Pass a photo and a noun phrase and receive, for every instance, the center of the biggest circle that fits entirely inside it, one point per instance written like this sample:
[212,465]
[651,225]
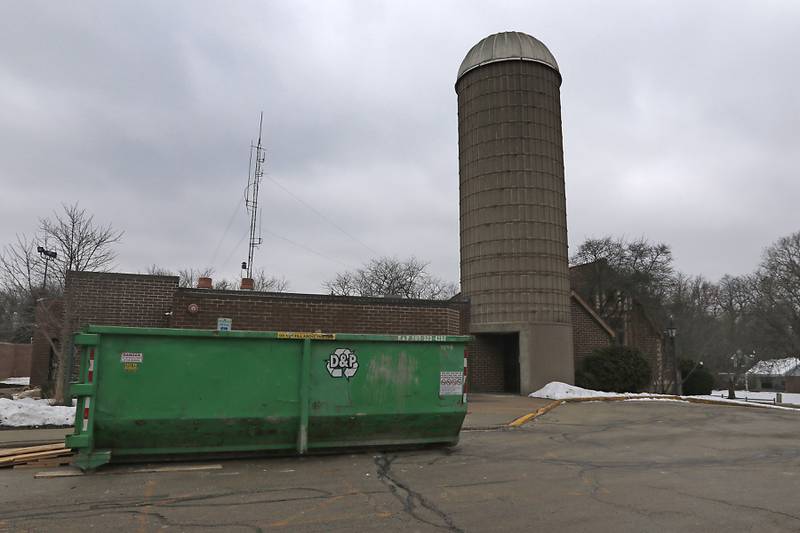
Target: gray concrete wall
[545,356]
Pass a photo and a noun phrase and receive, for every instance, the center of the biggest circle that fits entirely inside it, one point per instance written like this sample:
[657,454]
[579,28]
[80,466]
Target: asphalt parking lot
[622,466]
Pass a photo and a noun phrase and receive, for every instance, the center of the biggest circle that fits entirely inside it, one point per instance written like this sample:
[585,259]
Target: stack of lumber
[45,456]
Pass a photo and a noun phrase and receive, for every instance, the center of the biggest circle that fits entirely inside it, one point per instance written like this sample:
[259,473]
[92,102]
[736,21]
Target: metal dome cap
[507,46]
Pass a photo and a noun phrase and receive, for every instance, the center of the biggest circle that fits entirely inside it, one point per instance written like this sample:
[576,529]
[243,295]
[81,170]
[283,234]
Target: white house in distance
[775,375]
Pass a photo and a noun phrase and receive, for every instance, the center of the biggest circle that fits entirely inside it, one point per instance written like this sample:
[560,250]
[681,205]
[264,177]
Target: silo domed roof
[507,46]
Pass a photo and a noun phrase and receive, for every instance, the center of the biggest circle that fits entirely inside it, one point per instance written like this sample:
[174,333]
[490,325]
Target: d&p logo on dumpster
[342,363]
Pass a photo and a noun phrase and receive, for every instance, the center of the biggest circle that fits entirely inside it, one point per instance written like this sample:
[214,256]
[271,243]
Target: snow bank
[16,381]
[555,390]
[30,412]
[655,400]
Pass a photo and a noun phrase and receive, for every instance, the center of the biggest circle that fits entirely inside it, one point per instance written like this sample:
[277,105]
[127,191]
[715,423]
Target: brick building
[157,301]
[15,360]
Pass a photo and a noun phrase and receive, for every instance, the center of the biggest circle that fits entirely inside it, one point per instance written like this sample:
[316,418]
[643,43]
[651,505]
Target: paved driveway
[623,466]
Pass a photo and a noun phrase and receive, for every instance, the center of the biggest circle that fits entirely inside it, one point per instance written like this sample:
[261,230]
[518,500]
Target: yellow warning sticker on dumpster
[131,361]
[306,335]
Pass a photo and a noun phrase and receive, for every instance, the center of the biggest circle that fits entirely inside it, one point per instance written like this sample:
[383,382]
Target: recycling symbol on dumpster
[342,363]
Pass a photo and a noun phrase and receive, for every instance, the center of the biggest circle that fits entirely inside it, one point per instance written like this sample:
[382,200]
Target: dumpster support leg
[305,371]
[90,460]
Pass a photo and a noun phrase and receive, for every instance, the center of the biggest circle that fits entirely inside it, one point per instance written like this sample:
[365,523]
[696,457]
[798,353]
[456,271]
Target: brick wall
[99,298]
[587,334]
[15,360]
[156,301]
[486,364]
[641,333]
[119,299]
[312,312]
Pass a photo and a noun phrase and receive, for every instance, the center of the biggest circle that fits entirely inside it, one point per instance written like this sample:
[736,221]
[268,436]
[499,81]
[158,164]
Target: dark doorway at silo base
[494,363]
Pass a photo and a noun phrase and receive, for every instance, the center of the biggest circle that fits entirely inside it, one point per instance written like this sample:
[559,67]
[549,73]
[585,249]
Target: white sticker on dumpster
[451,383]
[131,357]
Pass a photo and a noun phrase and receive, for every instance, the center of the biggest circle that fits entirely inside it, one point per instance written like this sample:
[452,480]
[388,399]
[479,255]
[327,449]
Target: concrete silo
[514,262]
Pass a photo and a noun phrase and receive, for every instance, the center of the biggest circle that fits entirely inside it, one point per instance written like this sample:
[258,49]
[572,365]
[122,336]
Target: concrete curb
[517,422]
[678,398]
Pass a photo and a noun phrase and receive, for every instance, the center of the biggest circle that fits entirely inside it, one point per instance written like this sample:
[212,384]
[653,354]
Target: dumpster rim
[281,335]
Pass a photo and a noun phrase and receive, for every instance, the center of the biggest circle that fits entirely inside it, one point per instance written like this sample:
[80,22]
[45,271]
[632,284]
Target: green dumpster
[163,392]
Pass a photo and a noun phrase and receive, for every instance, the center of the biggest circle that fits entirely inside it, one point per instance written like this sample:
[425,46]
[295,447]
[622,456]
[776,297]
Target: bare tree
[612,268]
[155,270]
[187,278]
[21,284]
[388,276]
[777,288]
[263,282]
[80,244]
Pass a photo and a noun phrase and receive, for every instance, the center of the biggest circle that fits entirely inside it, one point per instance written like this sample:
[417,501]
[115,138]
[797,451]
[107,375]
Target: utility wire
[235,248]
[227,229]
[322,216]
[306,248]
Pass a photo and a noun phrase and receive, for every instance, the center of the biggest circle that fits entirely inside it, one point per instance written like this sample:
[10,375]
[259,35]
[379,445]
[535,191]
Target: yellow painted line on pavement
[555,403]
[539,412]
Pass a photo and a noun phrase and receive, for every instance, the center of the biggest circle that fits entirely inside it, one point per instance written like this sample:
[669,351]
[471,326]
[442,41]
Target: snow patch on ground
[30,412]
[742,402]
[555,390]
[788,397]
[16,381]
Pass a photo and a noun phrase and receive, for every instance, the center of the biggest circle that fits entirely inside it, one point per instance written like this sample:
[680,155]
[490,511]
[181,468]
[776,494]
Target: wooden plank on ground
[31,449]
[46,463]
[176,468]
[26,457]
[62,472]
[70,472]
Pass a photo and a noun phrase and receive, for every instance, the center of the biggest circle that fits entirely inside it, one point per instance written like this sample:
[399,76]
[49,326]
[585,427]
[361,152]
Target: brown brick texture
[156,301]
[119,299]
[309,312]
[587,334]
[485,367]
[15,360]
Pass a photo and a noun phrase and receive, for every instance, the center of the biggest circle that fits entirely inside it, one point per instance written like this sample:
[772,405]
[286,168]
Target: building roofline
[593,314]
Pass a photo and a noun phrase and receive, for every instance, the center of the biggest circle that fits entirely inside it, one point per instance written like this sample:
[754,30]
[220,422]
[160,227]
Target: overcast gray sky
[681,124]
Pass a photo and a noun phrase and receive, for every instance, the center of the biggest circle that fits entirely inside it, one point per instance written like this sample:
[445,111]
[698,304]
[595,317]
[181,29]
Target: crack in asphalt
[737,505]
[129,505]
[411,499]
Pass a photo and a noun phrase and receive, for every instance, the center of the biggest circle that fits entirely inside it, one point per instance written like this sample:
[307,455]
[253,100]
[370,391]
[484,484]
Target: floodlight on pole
[47,255]
[671,332]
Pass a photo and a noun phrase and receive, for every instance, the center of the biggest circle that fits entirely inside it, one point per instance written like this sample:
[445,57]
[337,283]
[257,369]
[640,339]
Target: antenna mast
[254,176]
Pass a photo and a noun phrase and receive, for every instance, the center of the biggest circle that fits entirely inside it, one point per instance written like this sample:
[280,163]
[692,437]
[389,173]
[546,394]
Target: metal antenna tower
[254,175]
